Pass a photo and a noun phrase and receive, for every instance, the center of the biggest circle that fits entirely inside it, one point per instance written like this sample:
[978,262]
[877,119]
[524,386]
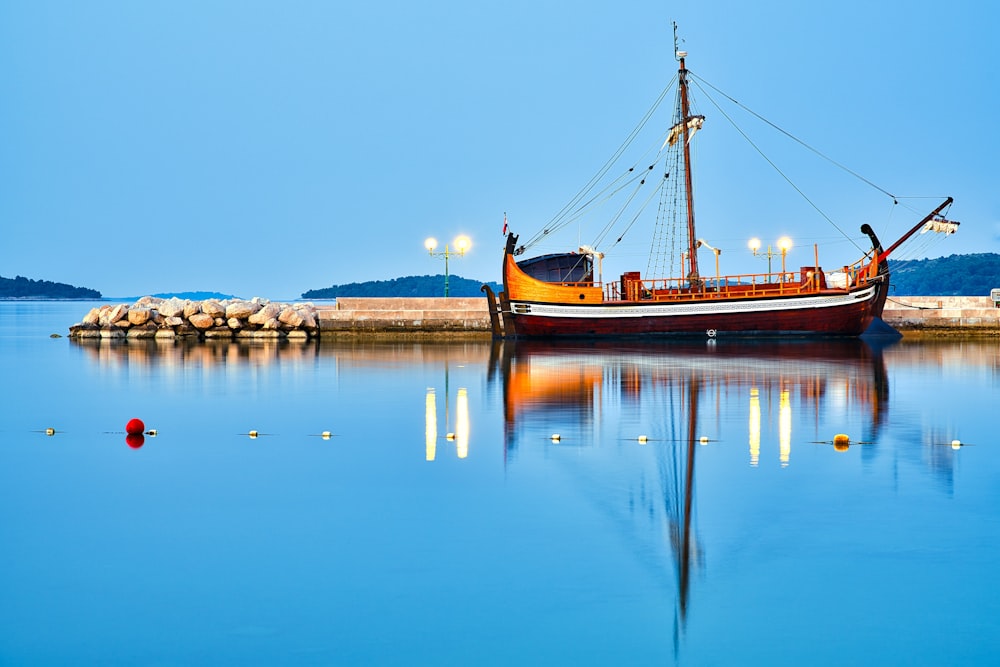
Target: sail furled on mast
[940,226]
[693,124]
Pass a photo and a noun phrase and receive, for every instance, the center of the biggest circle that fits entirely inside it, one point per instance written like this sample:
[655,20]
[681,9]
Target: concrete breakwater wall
[391,316]
[943,315]
[151,317]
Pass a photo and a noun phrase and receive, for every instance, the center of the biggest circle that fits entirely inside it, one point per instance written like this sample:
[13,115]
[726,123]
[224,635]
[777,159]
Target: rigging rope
[788,134]
[558,221]
[773,165]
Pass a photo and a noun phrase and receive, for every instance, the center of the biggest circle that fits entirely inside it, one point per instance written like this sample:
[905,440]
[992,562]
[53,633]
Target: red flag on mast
[504,224]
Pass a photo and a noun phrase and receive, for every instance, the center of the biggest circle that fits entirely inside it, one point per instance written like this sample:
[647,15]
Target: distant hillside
[955,275]
[25,288]
[408,286]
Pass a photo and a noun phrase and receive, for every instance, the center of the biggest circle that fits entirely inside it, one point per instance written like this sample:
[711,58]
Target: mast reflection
[593,392]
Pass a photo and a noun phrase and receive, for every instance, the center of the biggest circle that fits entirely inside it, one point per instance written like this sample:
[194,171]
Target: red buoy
[134,426]
[135,440]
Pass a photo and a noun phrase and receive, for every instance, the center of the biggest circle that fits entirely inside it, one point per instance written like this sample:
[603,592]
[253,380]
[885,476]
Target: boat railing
[806,280]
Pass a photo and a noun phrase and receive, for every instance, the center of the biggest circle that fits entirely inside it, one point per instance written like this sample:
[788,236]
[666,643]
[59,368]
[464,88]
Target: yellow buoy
[643,439]
[151,432]
[325,435]
[956,444]
[50,431]
[556,437]
[449,436]
[253,434]
[703,440]
[841,439]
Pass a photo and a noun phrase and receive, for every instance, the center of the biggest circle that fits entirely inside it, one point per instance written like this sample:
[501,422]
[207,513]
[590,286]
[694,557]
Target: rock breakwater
[151,317]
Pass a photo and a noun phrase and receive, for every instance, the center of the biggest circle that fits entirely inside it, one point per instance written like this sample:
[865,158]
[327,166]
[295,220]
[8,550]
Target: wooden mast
[693,275]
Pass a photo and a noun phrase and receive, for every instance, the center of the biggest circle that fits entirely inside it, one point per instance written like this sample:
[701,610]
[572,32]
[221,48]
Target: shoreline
[431,318]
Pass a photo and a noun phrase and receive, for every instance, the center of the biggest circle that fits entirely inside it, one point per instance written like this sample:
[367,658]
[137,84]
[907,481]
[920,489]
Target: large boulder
[173,321]
[147,330]
[85,331]
[218,332]
[308,319]
[241,309]
[202,321]
[290,317]
[172,307]
[93,316]
[138,315]
[116,313]
[213,307]
[191,308]
[149,301]
[267,312]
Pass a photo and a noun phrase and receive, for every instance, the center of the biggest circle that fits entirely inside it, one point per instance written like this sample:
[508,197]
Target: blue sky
[267,148]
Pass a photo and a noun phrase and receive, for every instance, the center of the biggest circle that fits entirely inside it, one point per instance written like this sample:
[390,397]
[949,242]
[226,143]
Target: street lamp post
[784,245]
[461,244]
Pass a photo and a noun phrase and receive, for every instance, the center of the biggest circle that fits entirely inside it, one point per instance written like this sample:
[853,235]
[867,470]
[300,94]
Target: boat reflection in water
[616,399]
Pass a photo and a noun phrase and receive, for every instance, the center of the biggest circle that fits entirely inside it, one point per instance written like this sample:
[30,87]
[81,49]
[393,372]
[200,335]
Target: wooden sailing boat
[557,294]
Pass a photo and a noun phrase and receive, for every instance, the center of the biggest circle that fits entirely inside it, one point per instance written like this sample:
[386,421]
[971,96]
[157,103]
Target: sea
[363,502]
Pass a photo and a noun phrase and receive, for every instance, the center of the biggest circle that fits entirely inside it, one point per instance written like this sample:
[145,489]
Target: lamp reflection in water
[754,426]
[460,436]
[784,428]
[462,423]
[430,424]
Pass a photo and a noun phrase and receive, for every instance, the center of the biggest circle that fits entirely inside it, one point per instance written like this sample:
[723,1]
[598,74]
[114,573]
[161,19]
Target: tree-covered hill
[409,286]
[25,288]
[955,275]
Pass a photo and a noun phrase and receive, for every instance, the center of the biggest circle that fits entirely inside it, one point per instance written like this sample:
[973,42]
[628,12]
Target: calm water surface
[693,508]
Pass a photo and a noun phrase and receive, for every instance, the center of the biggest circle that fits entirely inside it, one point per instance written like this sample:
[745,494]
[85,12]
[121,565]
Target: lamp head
[754,245]
[785,244]
[462,243]
[430,244]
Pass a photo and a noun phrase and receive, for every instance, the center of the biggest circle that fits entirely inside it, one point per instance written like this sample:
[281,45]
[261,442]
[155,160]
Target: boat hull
[846,313]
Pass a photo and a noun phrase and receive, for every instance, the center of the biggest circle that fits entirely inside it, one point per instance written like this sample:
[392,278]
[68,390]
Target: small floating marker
[450,436]
[956,444]
[135,440]
[556,437]
[643,440]
[841,442]
[151,432]
[325,435]
[50,431]
[253,434]
[703,440]
[135,427]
